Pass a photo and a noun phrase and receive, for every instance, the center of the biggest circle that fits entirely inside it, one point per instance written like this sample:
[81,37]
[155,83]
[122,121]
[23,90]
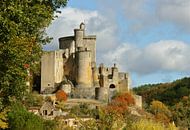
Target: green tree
[20,119]
[22,32]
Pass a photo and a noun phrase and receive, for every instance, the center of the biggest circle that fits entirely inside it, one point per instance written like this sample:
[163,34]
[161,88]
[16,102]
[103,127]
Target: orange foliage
[120,103]
[26,66]
[61,95]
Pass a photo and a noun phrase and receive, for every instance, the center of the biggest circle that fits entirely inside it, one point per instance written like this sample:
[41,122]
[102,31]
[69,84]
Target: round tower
[84,68]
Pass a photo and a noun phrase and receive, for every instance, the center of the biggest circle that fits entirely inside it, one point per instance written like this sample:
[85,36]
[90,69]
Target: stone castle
[73,69]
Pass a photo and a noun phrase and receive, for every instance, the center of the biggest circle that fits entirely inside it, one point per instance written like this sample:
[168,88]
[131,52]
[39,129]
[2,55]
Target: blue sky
[149,39]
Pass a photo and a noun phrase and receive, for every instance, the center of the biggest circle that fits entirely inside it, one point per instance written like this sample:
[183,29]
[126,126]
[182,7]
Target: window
[44,112]
[65,122]
[75,122]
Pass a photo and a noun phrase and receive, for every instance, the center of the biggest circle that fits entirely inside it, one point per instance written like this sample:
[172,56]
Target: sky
[149,39]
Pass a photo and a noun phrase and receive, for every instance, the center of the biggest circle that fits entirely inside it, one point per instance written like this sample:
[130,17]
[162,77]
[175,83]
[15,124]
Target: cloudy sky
[150,39]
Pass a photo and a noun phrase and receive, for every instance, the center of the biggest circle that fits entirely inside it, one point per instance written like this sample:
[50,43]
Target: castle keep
[73,69]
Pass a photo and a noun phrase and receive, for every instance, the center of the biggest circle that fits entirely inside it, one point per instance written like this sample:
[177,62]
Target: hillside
[168,93]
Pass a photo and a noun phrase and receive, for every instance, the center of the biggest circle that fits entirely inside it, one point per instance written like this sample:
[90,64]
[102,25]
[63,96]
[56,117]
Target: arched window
[112,86]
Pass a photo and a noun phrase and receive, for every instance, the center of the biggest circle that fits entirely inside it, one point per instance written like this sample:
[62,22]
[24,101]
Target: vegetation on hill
[175,96]
[168,93]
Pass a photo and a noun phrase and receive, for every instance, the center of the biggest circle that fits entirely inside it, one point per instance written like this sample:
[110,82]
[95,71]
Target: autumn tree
[22,32]
[121,103]
[61,95]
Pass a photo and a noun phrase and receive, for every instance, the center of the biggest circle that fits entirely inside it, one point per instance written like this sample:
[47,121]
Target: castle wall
[67,43]
[124,82]
[69,68]
[95,77]
[101,94]
[59,71]
[89,42]
[123,85]
[51,69]
[47,70]
[84,70]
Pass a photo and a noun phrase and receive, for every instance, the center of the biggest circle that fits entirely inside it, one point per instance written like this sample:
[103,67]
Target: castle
[73,69]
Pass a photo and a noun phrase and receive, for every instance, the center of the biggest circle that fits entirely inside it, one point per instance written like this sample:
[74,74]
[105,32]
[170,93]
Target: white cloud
[176,11]
[170,55]
[96,24]
[149,13]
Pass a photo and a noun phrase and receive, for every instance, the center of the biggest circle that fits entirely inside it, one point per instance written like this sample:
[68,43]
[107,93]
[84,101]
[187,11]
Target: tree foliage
[33,100]
[161,111]
[22,32]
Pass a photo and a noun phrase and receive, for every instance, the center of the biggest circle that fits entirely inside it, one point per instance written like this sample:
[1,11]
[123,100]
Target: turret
[79,35]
